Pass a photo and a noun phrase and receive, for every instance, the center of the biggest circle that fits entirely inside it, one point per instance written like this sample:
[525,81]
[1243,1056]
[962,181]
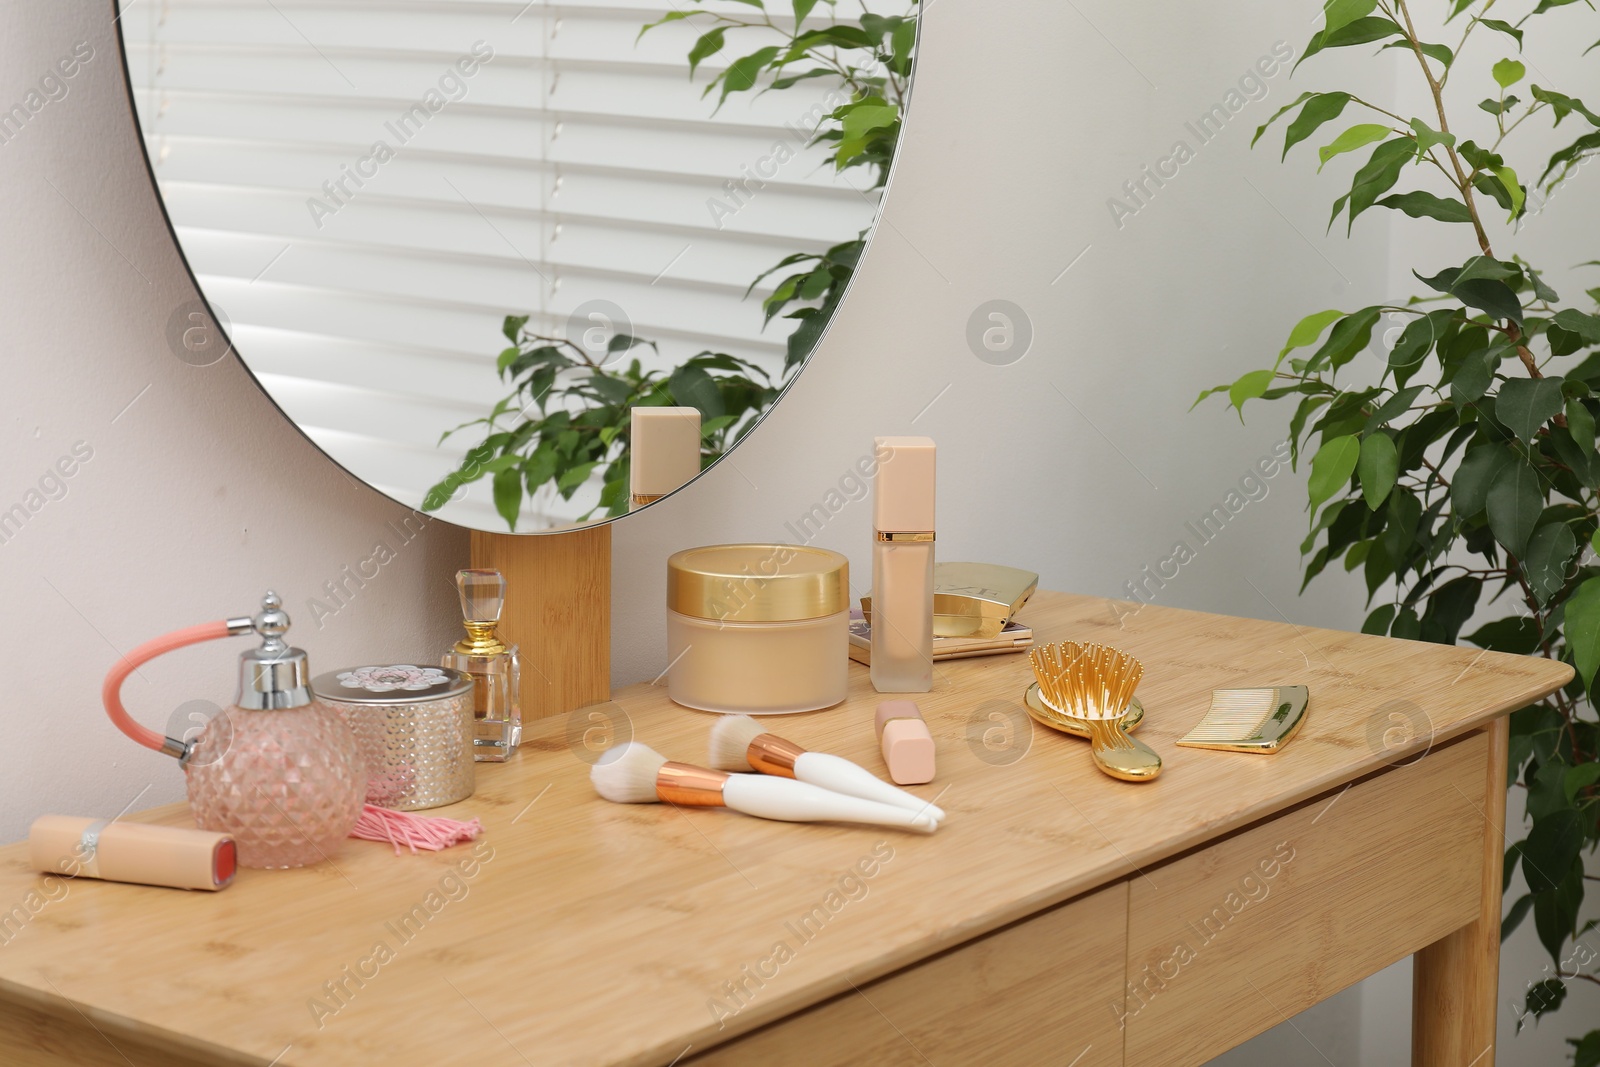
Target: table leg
[1456,979]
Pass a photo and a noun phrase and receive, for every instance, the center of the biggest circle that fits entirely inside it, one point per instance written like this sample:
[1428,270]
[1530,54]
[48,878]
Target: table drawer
[1043,990]
[1237,937]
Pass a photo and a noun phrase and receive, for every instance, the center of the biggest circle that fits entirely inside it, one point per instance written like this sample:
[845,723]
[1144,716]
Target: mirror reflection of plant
[584,417]
[871,59]
[1475,472]
[588,424]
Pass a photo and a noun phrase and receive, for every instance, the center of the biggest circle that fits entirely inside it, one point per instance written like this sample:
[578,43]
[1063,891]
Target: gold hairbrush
[1091,687]
[1250,720]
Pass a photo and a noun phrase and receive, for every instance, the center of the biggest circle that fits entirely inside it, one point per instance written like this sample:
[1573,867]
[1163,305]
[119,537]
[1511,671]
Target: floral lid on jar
[399,683]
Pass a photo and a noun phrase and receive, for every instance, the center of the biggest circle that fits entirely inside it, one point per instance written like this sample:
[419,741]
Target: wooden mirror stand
[558,612]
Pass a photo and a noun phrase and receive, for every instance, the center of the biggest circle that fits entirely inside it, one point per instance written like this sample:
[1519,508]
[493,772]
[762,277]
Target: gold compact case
[974,599]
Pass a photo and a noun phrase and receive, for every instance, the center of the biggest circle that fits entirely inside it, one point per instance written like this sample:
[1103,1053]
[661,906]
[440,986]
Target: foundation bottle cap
[758,583]
[902,495]
[663,450]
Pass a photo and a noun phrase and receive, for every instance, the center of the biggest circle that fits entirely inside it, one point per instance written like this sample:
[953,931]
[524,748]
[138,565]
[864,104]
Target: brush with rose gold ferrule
[634,773]
[741,743]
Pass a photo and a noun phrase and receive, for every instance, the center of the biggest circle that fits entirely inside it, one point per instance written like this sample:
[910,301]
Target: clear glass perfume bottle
[494,665]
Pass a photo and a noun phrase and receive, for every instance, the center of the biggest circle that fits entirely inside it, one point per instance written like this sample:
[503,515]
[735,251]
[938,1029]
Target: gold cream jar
[758,629]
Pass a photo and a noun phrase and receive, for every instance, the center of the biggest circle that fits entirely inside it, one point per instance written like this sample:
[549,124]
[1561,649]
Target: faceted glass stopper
[483,594]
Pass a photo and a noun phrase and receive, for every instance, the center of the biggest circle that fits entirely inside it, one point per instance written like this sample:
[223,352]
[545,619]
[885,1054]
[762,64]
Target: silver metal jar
[414,729]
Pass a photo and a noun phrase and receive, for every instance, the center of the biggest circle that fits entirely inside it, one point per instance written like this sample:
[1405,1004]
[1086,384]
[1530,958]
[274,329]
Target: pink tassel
[414,831]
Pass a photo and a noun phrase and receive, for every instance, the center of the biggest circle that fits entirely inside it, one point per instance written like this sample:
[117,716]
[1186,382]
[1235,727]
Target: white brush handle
[852,779]
[789,800]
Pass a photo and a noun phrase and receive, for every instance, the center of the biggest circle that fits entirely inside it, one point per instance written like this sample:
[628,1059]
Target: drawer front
[1044,990]
[1237,937]
[31,1038]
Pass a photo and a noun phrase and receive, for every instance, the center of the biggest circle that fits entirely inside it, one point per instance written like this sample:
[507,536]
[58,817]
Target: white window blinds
[365,188]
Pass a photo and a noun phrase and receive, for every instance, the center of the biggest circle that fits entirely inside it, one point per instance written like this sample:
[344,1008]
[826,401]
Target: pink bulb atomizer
[278,770]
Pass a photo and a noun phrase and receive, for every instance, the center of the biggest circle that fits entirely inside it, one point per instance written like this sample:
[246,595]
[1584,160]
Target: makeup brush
[634,773]
[741,743]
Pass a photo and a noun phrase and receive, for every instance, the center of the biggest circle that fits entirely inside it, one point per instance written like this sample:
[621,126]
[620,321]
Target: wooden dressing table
[1058,916]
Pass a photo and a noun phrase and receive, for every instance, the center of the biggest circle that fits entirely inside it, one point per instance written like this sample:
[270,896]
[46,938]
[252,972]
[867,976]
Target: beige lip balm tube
[906,742]
[663,452]
[118,851]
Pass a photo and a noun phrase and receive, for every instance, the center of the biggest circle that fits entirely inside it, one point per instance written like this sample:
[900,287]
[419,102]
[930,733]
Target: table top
[582,932]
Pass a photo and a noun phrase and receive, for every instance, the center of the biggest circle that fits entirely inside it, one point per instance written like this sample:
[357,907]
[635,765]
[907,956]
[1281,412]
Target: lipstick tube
[117,851]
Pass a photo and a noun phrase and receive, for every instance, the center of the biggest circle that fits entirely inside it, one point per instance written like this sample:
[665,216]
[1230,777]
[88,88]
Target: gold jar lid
[758,583]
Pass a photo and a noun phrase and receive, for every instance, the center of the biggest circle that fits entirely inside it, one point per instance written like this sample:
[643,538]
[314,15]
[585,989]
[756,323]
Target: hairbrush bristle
[730,742]
[1085,681]
[627,773]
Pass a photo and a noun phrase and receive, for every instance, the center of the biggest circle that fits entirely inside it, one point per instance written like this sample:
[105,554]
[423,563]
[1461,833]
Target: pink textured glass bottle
[278,770]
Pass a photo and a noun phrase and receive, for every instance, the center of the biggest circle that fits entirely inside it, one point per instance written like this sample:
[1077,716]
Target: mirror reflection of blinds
[571,166]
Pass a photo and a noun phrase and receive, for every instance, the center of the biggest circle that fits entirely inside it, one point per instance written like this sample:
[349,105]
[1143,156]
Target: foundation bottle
[902,566]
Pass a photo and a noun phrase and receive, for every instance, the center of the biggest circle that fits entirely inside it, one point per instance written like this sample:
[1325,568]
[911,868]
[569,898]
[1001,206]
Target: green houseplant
[1467,478]
[567,414]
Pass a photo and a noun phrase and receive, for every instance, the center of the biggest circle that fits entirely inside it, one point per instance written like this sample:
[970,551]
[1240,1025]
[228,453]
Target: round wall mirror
[521,265]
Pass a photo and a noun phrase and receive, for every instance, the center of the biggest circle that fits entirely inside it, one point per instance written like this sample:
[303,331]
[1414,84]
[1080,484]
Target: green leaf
[1505,28]
[1348,336]
[1514,917]
[1469,491]
[743,73]
[1518,635]
[1551,546]
[1473,377]
[1514,505]
[1580,425]
[1331,468]
[1585,326]
[1427,137]
[1307,330]
[1359,31]
[802,8]
[1249,387]
[1563,105]
[1393,408]
[1550,849]
[1525,404]
[508,496]
[1340,13]
[1420,205]
[1320,108]
[1556,914]
[1508,179]
[1582,629]
[1488,295]
[1378,175]
[1508,72]
[1355,137]
[1378,622]
[512,326]
[1419,335]
[709,44]
[1586,1053]
[673,16]
[1378,466]
[1580,778]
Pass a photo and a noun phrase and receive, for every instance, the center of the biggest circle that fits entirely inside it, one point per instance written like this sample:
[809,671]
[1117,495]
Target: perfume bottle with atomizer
[278,770]
[495,667]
